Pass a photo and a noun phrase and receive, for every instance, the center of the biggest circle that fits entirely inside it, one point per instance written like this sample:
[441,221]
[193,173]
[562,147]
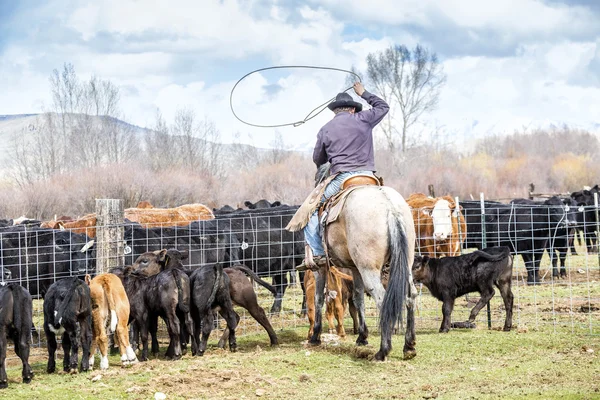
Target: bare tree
[161,150]
[277,153]
[409,79]
[186,130]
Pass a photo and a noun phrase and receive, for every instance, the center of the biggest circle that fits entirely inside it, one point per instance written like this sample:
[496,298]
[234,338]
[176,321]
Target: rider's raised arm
[319,154]
[375,114]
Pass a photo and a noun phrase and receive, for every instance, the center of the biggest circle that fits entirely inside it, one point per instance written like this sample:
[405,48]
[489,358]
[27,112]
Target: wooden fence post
[109,234]
[431,190]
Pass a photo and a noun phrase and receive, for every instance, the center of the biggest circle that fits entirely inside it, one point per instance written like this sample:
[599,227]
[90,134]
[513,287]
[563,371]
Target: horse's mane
[322,173]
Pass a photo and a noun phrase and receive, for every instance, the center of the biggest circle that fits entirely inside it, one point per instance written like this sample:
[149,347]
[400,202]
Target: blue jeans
[312,231]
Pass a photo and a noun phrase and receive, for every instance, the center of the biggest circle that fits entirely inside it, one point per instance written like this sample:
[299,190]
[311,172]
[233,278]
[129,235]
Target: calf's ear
[425,260]
[162,256]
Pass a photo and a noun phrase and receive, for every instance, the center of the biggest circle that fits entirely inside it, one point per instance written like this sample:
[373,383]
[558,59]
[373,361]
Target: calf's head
[420,269]
[149,263]
[70,300]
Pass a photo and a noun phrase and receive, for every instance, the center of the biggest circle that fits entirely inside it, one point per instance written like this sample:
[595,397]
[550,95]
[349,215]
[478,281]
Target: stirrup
[320,261]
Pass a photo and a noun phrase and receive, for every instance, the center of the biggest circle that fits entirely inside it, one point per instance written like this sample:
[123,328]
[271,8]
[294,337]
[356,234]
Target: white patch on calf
[442,220]
[113,320]
[130,354]
[104,362]
[91,361]
[58,331]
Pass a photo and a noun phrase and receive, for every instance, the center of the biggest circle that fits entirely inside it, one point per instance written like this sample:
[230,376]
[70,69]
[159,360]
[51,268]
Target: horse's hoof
[3,385]
[379,356]
[27,379]
[362,342]
[410,354]
[73,371]
[314,342]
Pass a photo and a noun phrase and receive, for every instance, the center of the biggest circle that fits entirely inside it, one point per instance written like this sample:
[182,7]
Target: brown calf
[336,304]
[109,299]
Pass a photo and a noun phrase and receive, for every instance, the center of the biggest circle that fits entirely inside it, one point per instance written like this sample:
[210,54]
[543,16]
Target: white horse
[375,229]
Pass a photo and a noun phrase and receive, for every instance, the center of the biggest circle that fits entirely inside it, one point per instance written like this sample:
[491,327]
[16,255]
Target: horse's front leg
[319,300]
[358,297]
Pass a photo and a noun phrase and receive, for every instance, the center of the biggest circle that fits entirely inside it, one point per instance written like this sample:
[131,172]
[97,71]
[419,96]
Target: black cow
[15,322]
[161,295]
[203,244]
[39,257]
[451,277]
[472,212]
[68,312]
[265,246]
[525,229]
[561,238]
[226,209]
[587,217]
[210,292]
[261,204]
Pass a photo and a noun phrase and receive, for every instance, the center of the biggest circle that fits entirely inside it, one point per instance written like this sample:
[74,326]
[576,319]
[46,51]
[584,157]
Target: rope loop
[314,112]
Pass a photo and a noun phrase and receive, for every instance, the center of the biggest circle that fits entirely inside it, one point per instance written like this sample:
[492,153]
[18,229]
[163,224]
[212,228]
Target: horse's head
[322,173]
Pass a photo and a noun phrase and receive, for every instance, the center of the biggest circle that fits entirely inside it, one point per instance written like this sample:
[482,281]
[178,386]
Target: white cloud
[144,47]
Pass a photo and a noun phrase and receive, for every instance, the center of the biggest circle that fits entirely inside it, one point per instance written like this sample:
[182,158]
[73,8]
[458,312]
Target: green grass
[545,356]
[462,364]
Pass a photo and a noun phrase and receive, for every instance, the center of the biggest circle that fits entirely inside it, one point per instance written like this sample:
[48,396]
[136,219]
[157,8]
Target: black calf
[15,323]
[67,312]
[210,292]
[451,277]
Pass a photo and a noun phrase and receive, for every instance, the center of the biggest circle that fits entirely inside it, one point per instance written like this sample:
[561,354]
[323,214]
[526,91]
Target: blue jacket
[347,140]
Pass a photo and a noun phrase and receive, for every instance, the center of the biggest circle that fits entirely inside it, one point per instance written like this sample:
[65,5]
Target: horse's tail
[393,301]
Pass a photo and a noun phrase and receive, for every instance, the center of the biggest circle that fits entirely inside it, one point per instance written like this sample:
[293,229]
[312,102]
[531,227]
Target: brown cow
[147,217]
[109,298]
[437,225]
[336,303]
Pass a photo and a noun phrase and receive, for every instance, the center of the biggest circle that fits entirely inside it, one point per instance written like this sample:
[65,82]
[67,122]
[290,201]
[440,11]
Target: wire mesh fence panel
[561,298]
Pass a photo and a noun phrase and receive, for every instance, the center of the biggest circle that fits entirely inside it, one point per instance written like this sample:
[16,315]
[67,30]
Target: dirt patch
[202,382]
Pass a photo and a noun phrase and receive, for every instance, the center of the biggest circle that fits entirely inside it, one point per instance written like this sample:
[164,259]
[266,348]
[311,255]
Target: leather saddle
[332,207]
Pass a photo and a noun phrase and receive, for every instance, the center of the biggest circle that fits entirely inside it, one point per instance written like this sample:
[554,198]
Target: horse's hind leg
[371,279]
[319,300]
[358,297]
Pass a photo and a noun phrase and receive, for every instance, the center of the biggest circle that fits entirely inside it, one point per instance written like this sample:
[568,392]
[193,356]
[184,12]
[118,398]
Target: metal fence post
[597,227]
[109,234]
[483,246]
[457,212]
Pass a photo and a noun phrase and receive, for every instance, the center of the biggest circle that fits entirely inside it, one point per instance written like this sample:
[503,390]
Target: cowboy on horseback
[346,142]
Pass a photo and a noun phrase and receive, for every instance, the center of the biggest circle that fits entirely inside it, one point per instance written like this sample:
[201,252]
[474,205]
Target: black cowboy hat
[344,100]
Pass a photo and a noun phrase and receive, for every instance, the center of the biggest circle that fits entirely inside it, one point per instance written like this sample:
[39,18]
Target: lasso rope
[314,112]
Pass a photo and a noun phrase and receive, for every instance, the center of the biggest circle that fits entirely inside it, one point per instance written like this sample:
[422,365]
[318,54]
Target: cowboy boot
[311,262]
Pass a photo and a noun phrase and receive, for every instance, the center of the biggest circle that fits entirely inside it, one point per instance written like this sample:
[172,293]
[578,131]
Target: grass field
[463,364]
[552,352]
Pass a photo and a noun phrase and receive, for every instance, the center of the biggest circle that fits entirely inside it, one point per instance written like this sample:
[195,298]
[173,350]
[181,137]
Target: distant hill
[12,126]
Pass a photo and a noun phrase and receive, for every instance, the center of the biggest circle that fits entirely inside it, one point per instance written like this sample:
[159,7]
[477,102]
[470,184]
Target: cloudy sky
[509,63]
